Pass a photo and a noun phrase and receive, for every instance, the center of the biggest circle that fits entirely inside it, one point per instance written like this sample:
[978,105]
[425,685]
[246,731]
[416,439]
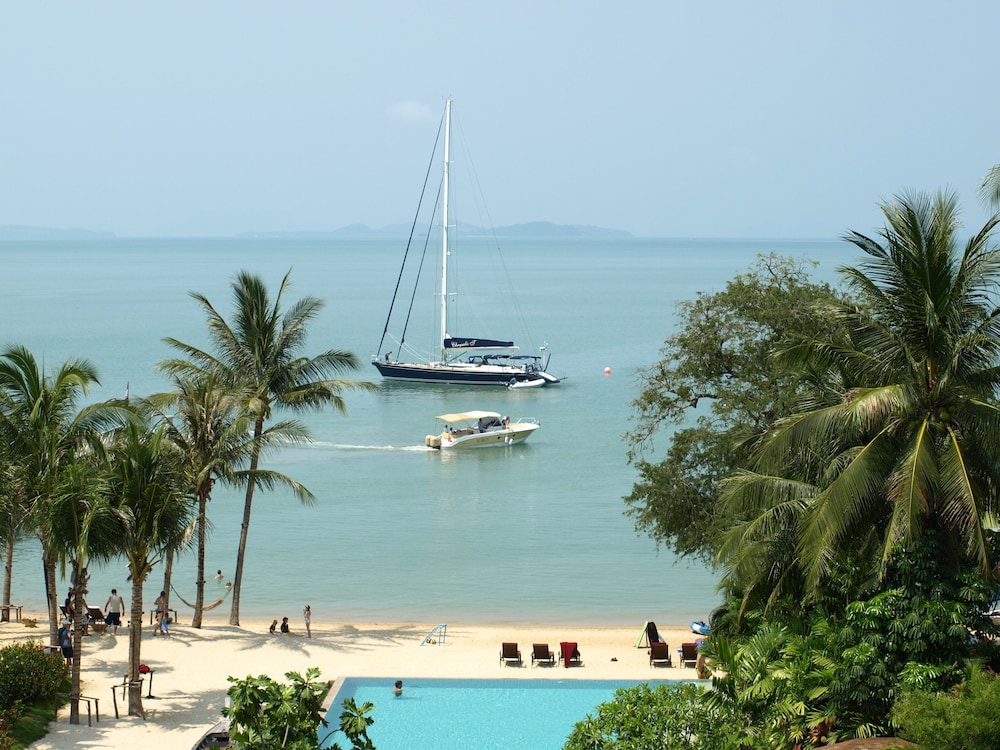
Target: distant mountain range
[536,230]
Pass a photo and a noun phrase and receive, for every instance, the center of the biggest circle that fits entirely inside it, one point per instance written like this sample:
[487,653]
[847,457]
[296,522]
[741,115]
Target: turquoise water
[479,714]
[531,534]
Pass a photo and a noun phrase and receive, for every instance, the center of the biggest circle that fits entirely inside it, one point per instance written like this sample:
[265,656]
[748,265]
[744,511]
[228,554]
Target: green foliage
[715,385]
[354,723]
[964,718]
[28,674]
[266,714]
[665,717]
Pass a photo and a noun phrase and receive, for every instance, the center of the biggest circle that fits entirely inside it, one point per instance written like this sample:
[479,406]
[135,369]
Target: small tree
[266,714]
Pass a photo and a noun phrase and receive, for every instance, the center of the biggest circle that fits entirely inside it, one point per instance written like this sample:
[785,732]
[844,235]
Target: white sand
[191,667]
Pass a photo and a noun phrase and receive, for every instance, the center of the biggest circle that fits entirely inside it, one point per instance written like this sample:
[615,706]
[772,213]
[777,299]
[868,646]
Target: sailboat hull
[459,373]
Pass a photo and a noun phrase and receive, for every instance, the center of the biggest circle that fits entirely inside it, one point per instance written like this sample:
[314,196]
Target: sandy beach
[191,666]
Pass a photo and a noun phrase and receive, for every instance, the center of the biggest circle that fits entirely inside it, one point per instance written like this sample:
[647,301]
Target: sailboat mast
[444,228]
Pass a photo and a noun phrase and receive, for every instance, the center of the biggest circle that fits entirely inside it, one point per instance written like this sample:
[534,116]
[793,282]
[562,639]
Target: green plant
[964,718]
[665,717]
[28,674]
[265,714]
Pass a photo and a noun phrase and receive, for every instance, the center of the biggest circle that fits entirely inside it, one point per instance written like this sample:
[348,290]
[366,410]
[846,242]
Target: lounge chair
[659,653]
[689,654]
[570,653]
[96,617]
[509,654]
[540,653]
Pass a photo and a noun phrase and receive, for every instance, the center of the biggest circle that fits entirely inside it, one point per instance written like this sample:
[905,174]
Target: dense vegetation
[30,677]
[837,457]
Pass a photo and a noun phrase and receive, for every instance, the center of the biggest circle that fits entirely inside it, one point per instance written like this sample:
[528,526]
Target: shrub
[29,674]
[964,718]
[667,717]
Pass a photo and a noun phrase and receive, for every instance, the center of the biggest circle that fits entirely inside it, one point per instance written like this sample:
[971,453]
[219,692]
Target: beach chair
[689,654]
[96,619]
[540,653]
[659,653]
[509,654]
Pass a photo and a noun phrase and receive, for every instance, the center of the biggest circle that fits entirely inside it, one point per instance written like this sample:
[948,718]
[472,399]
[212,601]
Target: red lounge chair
[509,654]
[570,653]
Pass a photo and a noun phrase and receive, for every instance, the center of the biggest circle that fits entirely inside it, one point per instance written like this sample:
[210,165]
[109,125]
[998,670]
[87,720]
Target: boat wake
[344,447]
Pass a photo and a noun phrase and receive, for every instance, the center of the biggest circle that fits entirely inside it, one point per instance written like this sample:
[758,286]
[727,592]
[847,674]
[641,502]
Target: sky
[664,119]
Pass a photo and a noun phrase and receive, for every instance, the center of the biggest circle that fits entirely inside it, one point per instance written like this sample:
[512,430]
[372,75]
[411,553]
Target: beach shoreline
[191,666]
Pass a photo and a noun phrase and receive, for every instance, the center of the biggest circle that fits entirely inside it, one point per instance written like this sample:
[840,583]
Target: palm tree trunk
[234,615]
[199,601]
[168,572]
[79,586]
[134,650]
[8,573]
[52,598]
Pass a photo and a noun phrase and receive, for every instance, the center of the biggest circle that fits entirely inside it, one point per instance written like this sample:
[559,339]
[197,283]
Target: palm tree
[213,434]
[989,191]
[259,353]
[81,529]
[45,431]
[912,442]
[154,513]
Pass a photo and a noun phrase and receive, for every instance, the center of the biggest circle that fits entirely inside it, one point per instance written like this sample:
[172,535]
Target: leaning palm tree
[259,352]
[912,443]
[45,430]
[214,437]
[153,515]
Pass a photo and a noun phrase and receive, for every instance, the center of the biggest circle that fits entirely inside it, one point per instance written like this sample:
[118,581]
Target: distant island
[536,230]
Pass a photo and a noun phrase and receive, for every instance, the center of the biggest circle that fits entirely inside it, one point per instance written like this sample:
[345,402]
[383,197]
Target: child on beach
[274,627]
[284,626]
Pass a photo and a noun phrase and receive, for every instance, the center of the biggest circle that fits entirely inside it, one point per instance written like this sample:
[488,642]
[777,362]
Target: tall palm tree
[153,515]
[912,442]
[213,434]
[259,352]
[82,529]
[45,430]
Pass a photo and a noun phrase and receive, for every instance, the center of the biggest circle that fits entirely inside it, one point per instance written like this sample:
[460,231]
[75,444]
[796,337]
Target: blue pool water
[439,714]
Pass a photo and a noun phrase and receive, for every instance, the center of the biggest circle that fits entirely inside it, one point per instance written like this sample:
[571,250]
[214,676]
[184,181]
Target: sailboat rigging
[470,360]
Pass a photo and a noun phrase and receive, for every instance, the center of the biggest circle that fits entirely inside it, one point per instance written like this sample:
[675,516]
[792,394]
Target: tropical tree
[153,516]
[910,440]
[716,385]
[81,529]
[214,437]
[989,191]
[46,430]
[12,514]
[259,353]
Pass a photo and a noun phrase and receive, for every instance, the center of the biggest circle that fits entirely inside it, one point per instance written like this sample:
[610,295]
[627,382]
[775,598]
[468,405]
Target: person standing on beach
[113,609]
[66,642]
[307,616]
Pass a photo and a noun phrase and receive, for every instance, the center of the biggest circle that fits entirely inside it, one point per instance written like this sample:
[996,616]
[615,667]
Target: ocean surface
[529,534]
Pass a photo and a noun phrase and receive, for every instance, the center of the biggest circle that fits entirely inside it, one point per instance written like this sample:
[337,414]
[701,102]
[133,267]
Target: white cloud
[411,111]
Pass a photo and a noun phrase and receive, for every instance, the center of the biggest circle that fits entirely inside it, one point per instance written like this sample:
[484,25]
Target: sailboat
[466,360]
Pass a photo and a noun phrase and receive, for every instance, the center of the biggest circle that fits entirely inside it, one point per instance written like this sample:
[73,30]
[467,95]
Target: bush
[667,717]
[964,718]
[29,674]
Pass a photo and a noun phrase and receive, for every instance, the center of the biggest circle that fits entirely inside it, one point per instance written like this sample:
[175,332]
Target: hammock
[205,607]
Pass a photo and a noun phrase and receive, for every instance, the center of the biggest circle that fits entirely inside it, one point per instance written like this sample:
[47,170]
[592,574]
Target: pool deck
[191,666]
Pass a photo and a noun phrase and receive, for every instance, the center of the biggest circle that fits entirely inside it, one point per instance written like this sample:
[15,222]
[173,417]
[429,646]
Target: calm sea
[531,534]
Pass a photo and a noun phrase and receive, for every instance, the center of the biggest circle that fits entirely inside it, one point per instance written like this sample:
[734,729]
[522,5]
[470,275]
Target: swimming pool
[440,714]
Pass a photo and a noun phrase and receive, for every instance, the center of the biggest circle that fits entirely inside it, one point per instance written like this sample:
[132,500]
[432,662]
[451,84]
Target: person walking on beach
[307,616]
[66,642]
[164,624]
[113,609]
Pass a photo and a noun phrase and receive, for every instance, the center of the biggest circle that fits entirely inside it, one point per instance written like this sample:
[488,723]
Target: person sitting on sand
[273,628]
[284,626]
[398,689]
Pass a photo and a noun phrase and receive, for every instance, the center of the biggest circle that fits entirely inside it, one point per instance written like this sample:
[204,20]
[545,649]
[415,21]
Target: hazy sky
[666,119]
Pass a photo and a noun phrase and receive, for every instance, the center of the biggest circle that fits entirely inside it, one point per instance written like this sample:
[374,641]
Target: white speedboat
[480,429]
[463,360]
